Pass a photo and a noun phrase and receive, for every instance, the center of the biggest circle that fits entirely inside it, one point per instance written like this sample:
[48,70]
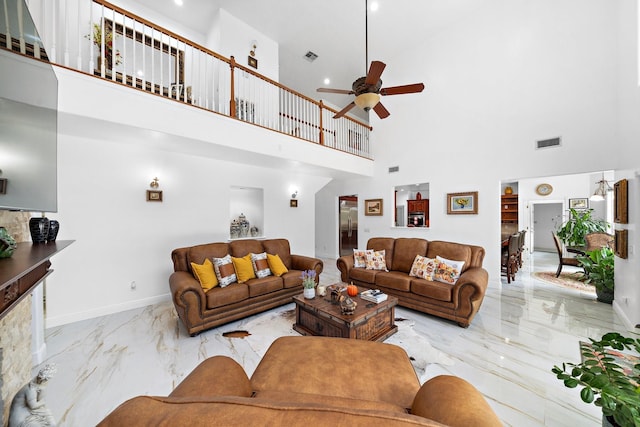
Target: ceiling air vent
[310,56]
[393,169]
[548,143]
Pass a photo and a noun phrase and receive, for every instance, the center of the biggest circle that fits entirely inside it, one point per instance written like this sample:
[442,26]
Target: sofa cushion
[385,244]
[243,268]
[376,261]
[276,265]
[240,248]
[225,272]
[218,297]
[292,279]
[279,247]
[205,274]
[199,253]
[434,290]
[394,280]
[363,275]
[324,400]
[360,257]
[450,250]
[264,285]
[405,251]
[260,265]
[448,271]
[423,267]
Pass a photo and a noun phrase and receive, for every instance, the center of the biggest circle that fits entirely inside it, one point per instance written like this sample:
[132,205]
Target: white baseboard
[53,321]
[631,326]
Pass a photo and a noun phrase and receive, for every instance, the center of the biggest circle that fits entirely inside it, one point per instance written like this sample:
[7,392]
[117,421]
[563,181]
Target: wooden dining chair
[562,261]
[521,246]
[510,258]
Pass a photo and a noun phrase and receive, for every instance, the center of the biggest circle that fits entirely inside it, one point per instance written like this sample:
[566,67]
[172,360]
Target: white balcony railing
[108,42]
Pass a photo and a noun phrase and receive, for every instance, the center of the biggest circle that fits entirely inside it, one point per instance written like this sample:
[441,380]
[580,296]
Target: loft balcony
[117,70]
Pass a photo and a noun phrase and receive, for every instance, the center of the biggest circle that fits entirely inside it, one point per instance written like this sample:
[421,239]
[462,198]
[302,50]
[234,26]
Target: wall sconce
[294,194]
[154,195]
[251,59]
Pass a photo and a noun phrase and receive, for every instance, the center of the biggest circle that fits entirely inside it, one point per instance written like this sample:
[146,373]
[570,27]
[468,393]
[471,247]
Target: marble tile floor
[521,331]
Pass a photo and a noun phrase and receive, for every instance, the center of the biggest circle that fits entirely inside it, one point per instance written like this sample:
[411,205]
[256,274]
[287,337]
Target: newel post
[321,125]
[232,101]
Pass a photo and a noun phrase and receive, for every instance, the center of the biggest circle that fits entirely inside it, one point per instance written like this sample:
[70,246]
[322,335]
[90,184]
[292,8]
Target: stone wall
[15,328]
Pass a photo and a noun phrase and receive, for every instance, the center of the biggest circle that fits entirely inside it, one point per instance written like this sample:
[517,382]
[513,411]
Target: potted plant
[608,379]
[599,268]
[579,224]
[309,283]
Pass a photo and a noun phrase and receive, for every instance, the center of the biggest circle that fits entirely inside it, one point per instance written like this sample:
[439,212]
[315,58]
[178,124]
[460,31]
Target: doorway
[348,219]
[546,217]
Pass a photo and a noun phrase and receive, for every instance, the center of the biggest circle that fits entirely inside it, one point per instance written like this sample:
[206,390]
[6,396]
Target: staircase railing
[98,38]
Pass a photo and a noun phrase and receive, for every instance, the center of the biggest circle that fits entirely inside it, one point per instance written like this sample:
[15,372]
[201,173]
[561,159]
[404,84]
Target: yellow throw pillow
[244,268]
[276,265]
[205,274]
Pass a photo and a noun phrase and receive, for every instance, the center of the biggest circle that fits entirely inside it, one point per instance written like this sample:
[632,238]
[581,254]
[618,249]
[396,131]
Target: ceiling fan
[368,89]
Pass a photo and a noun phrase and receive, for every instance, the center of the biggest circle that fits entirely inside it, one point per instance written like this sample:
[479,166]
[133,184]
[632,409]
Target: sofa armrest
[301,262]
[188,298]
[345,264]
[215,376]
[454,402]
[476,277]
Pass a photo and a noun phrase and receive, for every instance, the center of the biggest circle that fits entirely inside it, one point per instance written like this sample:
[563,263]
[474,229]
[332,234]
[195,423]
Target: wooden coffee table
[321,317]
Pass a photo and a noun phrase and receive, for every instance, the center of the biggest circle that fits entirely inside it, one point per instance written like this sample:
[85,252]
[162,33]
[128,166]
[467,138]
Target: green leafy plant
[599,267]
[605,380]
[579,224]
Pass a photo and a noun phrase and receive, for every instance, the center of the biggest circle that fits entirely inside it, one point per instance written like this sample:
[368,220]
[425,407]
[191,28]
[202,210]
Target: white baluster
[23,47]
[6,21]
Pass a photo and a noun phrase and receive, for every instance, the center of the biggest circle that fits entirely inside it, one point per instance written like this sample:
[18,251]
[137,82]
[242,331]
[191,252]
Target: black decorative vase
[54,227]
[39,228]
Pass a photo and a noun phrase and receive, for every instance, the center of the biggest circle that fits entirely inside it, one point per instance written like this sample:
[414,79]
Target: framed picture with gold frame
[154,195]
[620,202]
[373,207]
[462,203]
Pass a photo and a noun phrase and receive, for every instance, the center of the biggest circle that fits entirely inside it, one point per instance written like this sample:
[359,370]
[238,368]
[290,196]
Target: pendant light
[601,190]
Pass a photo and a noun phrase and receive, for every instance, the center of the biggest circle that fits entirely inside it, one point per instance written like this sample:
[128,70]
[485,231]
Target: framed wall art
[373,207]
[462,203]
[579,203]
[620,203]
[154,195]
[621,243]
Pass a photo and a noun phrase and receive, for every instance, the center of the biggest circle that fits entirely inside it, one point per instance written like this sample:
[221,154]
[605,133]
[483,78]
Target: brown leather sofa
[459,302]
[312,381]
[200,310]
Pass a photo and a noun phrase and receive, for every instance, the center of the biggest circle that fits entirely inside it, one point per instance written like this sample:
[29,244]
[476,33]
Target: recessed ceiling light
[178,2]
[374,6]
[327,81]
[140,73]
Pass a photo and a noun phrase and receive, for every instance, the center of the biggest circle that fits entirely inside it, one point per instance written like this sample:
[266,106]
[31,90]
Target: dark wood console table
[20,273]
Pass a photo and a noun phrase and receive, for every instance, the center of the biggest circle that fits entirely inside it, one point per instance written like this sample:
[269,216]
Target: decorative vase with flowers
[309,283]
[106,52]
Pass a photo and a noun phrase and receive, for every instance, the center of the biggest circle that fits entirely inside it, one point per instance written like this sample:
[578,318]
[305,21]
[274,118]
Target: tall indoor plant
[579,224]
[599,268]
[607,379]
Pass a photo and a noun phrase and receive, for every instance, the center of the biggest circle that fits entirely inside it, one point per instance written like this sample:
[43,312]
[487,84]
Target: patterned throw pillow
[360,257]
[376,261]
[225,272]
[260,265]
[423,267]
[448,271]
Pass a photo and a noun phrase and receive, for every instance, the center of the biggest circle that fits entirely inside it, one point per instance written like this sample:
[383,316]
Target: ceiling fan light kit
[368,89]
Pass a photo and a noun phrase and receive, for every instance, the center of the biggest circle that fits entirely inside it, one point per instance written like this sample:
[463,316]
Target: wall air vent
[310,56]
[548,143]
[393,169]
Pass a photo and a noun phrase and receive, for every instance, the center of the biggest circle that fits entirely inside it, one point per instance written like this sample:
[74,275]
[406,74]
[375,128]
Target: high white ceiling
[335,31]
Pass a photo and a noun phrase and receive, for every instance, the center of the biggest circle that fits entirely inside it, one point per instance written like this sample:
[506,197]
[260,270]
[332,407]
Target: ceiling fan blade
[341,91]
[344,111]
[382,112]
[398,90]
[375,71]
